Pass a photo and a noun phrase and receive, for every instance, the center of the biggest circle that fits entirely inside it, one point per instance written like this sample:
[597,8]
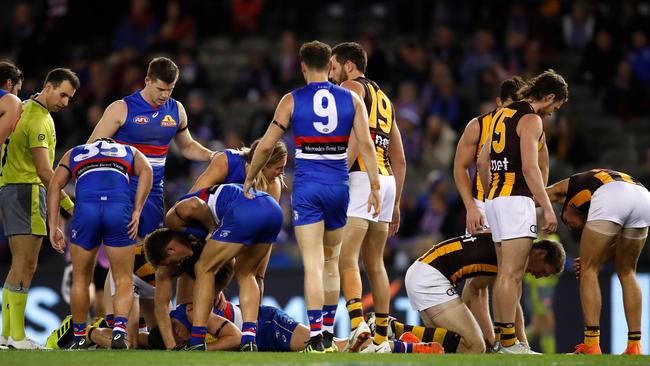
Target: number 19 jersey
[322,119]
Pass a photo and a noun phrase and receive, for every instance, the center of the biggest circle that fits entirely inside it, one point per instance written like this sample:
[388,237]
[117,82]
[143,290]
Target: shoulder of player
[9,100]
[355,86]
[472,129]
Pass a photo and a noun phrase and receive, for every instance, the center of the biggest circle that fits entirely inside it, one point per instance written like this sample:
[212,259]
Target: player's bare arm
[189,209]
[530,130]
[274,132]
[543,159]
[465,154]
[398,163]
[476,297]
[214,174]
[59,180]
[275,189]
[483,166]
[557,192]
[190,148]
[353,148]
[113,118]
[41,158]
[10,108]
[143,170]
[164,292]
[367,150]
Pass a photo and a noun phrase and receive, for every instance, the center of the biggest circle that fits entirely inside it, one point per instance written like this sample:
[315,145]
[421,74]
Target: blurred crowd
[441,62]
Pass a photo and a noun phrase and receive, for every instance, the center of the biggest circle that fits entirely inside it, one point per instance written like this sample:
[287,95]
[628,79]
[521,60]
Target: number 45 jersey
[322,120]
[102,170]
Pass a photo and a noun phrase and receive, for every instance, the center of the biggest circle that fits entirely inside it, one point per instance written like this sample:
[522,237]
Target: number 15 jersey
[505,154]
[322,119]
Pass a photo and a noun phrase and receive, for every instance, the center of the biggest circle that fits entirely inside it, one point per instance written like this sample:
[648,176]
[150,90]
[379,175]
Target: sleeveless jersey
[236,167]
[381,116]
[583,185]
[463,257]
[102,170]
[3,148]
[505,165]
[220,198]
[322,119]
[150,129]
[484,122]
[143,269]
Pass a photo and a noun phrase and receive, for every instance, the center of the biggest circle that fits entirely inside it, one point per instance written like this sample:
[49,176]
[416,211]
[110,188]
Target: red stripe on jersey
[149,150]
[228,312]
[319,139]
[129,167]
[203,194]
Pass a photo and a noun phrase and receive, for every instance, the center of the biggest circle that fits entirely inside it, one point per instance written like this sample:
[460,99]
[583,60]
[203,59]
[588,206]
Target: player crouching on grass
[431,285]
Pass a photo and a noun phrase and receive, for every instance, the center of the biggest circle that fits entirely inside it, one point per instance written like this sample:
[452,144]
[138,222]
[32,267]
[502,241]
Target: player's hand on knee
[57,239]
[133,224]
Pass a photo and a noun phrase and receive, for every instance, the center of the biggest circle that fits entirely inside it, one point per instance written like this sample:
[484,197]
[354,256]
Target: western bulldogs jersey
[150,129]
[102,170]
[236,167]
[322,119]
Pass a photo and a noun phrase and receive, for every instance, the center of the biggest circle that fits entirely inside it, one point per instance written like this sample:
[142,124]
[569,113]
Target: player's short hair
[155,245]
[155,339]
[353,52]
[56,76]
[9,71]
[510,88]
[163,69]
[555,255]
[315,55]
[546,83]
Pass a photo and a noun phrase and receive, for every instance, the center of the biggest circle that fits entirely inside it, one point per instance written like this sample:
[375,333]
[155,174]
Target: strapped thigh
[635,233]
[604,227]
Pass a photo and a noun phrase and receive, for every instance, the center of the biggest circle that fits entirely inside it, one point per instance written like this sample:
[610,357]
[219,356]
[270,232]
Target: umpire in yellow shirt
[26,173]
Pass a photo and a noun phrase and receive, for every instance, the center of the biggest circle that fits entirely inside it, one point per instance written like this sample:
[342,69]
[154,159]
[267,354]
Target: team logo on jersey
[141,120]
[224,233]
[74,234]
[168,121]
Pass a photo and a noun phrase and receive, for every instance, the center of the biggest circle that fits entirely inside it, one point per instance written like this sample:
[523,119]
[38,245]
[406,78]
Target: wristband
[374,186]
[66,203]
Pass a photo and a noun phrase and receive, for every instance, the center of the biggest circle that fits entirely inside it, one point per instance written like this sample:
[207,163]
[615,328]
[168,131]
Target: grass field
[161,358]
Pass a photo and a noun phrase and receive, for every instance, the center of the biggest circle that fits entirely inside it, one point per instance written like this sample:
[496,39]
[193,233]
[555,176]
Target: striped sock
[356,312]
[248,332]
[329,313]
[633,338]
[382,328]
[497,331]
[120,324]
[110,320]
[508,337]
[315,322]
[142,325]
[402,347]
[198,335]
[592,335]
[79,330]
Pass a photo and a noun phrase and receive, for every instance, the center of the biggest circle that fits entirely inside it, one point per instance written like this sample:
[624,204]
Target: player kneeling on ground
[431,284]
[244,229]
[608,207]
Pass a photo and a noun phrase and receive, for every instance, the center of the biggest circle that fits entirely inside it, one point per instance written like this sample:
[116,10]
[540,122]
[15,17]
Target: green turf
[161,358]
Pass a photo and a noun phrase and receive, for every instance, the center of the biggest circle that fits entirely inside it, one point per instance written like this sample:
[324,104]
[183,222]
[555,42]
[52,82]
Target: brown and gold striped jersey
[484,122]
[505,154]
[381,116]
[463,257]
[583,185]
[143,269]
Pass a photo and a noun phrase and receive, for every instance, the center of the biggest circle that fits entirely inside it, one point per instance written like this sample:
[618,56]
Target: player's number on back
[381,111]
[329,111]
[104,147]
[500,129]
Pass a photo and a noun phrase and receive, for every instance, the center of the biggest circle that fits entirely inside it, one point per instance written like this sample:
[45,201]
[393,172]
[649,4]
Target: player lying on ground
[431,285]
[607,206]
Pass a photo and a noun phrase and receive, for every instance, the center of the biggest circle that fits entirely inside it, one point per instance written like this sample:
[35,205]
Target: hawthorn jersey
[381,116]
[463,257]
[505,154]
[583,185]
[484,122]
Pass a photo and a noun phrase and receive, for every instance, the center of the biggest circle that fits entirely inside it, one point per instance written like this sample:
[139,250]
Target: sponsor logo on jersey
[168,121]
[224,233]
[141,120]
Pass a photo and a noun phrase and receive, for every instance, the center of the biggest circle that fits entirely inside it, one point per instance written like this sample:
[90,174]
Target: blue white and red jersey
[322,120]
[102,170]
[150,129]
[236,167]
